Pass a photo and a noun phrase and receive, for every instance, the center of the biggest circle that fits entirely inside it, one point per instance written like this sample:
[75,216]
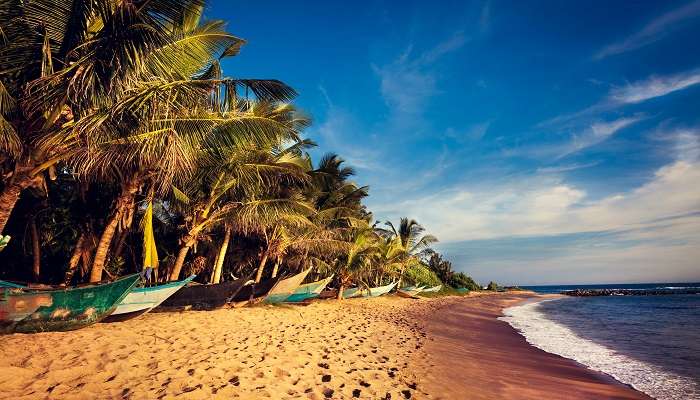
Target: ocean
[649,342]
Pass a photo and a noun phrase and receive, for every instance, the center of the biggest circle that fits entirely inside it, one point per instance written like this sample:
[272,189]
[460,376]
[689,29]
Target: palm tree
[357,263]
[130,81]
[243,187]
[413,243]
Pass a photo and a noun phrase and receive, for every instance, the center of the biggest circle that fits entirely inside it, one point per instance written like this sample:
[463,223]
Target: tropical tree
[413,243]
[357,263]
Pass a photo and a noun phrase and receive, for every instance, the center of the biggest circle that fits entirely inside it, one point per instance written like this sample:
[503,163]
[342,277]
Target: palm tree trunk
[216,275]
[276,268]
[179,262]
[123,203]
[258,276]
[36,250]
[340,291]
[8,199]
[74,259]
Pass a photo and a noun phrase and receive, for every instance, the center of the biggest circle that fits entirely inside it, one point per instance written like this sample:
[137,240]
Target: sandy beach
[445,348]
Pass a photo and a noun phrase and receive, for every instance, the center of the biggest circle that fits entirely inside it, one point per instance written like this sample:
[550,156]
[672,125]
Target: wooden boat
[352,292]
[6,284]
[255,291]
[410,294]
[309,290]
[143,299]
[205,297]
[285,288]
[29,310]
[432,289]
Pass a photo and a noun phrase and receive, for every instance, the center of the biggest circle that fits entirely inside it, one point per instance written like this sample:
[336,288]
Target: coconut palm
[357,263]
[412,241]
[70,73]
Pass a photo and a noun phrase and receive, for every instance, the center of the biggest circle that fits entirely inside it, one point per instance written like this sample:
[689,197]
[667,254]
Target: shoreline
[387,347]
[479,354]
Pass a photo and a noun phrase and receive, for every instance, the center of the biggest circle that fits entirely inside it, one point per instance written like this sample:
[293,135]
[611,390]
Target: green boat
[309,290]
[368,292]
[285,288]
[27,310]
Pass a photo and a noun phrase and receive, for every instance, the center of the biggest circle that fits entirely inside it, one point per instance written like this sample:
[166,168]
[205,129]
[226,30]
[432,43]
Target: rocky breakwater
[630,292]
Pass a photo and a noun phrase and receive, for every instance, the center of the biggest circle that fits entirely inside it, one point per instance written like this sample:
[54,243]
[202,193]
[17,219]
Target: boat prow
[144,299]
[28,310]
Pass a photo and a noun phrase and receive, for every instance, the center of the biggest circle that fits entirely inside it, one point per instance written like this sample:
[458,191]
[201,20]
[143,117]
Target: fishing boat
[143,299]
[28,310]
[368,292]
[285,288]
[204,297]
[352,292]
[6,284]
[410,294]
[309,290]
[432,289]
[254,291]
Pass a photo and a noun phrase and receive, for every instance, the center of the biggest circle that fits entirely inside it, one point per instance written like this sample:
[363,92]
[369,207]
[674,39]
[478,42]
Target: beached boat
[254,291]
[29,310]
[365,292]
[205,297]
[462,290]
[432,289]
[6,284]
[143,299]
[309,290]
[285,288]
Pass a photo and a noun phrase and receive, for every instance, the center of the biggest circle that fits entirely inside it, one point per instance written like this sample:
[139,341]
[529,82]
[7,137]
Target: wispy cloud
[626,95]
[598,132]
[566,167]
[653,31]
[408,83]
[655,86]
[472,133]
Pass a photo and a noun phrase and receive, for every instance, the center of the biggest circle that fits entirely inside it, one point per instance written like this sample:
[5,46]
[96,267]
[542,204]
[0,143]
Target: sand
[360,348]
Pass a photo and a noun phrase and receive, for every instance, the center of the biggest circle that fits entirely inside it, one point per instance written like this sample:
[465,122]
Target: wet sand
[385,348]
[477,356]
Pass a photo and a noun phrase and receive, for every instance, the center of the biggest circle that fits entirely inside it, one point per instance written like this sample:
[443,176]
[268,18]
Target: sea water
[651,343]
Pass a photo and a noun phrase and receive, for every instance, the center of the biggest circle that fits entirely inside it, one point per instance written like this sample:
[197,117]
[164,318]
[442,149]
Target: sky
[543,142]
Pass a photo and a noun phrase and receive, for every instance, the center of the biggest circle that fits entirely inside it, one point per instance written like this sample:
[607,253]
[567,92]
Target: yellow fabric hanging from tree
[150,253]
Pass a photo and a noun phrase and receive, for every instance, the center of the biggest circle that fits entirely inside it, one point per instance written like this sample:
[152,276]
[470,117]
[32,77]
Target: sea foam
[555,338]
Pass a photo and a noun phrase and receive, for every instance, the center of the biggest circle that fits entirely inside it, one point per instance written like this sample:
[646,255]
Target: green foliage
[419,274]
[492,286]
[461,280]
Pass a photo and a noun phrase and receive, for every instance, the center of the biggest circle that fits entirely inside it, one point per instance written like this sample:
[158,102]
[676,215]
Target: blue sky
[543,143]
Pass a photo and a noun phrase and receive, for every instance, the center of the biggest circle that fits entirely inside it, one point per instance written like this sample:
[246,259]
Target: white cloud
[543,204]
[653,31]
[630,94]
[565,168]
[409,82]
[598,132]
[655,86]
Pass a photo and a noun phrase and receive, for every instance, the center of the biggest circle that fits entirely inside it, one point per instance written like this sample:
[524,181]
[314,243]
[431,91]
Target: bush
[492,286]
[462,280]
[419,275]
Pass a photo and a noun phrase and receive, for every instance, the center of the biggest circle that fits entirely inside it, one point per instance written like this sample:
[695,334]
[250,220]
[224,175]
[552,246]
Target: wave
[558,339]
